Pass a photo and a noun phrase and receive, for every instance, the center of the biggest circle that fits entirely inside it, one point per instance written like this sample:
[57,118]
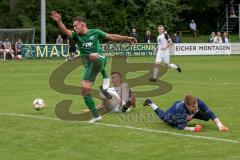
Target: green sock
[104,73]
[91,105]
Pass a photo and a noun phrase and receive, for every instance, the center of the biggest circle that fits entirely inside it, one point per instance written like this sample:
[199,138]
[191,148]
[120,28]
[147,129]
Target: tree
[205,13]
[114,16]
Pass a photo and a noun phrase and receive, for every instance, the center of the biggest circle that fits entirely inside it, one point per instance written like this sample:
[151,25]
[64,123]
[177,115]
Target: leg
[12,53]
[113,103]
[126,103]
[155,72]
[106,80]
[125,93]
[104,73]
[156,67]
[86,87]
[166,60]
[95,57]
[160,113]
[90,75]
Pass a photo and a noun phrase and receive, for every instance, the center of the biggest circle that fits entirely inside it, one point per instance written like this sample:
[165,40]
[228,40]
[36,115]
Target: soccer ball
[38,104]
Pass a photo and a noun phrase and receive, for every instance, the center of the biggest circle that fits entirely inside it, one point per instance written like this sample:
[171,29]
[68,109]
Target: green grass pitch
[29,134]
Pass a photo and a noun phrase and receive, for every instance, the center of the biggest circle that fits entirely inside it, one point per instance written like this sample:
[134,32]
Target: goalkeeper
[91,53]
[184,111]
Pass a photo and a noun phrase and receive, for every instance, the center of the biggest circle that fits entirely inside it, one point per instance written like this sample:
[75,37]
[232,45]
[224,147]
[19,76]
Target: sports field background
[29,134]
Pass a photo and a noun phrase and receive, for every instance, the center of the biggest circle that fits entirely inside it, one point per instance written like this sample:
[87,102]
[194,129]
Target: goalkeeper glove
[197,128]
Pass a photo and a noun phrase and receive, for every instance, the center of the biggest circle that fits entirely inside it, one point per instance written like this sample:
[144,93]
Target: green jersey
[89,42]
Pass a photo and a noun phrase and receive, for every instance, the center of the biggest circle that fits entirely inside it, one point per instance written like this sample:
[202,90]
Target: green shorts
[93,68]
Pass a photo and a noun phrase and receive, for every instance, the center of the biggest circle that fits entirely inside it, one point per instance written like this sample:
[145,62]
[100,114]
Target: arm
[132,99]
[119,38]
[57,17]
[197,128]
[210,114]
[219,124]
[169,43]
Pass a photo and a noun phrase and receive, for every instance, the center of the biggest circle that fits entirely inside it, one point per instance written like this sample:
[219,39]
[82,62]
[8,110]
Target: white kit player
[118,97]
[164,42]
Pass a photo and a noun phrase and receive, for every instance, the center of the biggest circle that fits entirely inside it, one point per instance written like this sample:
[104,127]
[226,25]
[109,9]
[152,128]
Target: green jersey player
[88,43]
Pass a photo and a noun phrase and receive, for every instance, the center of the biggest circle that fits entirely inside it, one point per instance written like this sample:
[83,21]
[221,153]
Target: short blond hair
[190,100]
[160,26]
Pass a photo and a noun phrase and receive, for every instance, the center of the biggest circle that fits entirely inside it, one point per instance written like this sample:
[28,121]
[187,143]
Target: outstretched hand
[55,16]
[132,40]
[223,128]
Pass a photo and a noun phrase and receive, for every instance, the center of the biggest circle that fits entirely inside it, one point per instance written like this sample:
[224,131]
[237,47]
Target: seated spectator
[218,38]
[118,97]
[225,38]
[72,49]
[147,38]
[212,37]
[18,47]
[176,38]
[59,40]
[9,49]
[193,28]
[2,51]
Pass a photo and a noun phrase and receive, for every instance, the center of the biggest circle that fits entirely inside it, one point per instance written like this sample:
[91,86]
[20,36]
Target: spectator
[18,47]
[218,38]
[8,48]
[72,49]
[212,37]
[59,40]
[147,38]
[176,38]
[193,28]
[231,6]
[134,34]
[2,51]
[225,38]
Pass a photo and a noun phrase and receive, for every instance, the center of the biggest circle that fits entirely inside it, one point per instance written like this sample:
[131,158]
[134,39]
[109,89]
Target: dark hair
[79,19]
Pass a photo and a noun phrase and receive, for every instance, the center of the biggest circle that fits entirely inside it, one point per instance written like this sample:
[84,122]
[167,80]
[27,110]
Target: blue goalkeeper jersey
[177,113]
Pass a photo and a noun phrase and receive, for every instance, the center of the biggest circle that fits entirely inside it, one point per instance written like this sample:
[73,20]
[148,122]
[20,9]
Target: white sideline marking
[128,127]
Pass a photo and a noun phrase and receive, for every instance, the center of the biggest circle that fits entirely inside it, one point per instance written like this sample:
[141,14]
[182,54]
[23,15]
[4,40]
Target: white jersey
[163,51]
[162,41]
[118,93]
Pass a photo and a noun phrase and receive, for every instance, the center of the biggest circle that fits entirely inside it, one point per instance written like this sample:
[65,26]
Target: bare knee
[93,56]
[85,91]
